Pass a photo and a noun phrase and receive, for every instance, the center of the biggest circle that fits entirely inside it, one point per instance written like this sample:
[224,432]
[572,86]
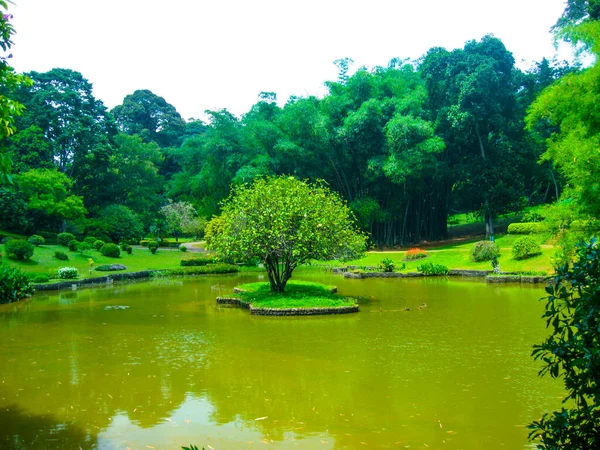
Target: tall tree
[472,97]
[75,124]
[151,117]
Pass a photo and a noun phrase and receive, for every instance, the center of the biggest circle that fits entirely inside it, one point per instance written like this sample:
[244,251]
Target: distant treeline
[406,145]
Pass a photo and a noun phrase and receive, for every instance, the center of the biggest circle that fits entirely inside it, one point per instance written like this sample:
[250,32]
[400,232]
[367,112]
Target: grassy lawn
[458,256]
[298,294]
[44,262]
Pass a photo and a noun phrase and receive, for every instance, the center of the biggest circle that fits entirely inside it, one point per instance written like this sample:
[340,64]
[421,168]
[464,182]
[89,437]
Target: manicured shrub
[110,250]
[110,267]
[98,244]
[153,246]
[73,243]
[64,239]
[484,251]
[61,255]
[14,285]
[433,269]
[90,240]
[18,249]
[525,228]
[126,248]
[41,278]
[36,240]
[83,247]
[197,261]
[386,265]
[183,248]
[526,247]
[415,253]
[67,273]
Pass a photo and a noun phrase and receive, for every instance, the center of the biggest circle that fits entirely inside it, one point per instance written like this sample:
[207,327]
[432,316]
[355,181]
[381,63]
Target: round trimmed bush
[73,243]
[90,240]
[485,251]
[61,255]
[183,248]
[127,248]
[98,244]
[18,249]
[110,250]
[37,240]
[526,247]
[153,246]
[64,239]
[41,278]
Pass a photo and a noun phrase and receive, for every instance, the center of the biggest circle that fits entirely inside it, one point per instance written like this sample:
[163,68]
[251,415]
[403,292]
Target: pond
[170,368]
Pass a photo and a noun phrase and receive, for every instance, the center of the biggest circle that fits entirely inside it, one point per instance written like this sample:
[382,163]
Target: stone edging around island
[233,301]
[505,277]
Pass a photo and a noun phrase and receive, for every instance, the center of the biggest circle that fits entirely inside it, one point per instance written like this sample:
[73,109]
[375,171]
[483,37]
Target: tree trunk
[555,183]
[481,147]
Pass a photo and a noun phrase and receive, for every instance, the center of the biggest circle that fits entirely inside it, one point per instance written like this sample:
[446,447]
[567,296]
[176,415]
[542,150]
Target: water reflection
[173,369]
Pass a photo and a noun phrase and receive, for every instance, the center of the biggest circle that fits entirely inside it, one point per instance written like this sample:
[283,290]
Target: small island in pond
[301,298]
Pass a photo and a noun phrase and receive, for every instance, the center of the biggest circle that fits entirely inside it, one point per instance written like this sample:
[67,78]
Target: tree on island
[284,222]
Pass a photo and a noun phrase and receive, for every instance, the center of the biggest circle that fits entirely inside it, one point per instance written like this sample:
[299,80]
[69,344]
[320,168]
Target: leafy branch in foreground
[572,352]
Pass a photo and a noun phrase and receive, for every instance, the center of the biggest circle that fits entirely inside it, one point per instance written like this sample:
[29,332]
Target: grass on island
[298,294]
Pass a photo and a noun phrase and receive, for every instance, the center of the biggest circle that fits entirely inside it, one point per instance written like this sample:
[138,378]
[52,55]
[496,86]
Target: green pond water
[173,369]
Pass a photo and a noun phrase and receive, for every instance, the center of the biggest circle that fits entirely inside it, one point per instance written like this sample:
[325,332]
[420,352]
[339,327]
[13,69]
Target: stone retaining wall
[516,279]
[287,311]
[91,281]
[503,279]
[303,311]
[382,275]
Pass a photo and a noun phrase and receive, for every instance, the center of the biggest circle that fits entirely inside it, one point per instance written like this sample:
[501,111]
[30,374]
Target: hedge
[525,228]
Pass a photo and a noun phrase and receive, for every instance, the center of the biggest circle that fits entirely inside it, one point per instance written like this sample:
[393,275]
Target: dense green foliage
[484,251]
[525,228]
[430,268]
[285,222]
[18,249]
[14,285]
[572,353]
[386,265]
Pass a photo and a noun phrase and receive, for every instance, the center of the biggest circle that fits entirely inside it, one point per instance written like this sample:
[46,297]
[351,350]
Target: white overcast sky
[202,55]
